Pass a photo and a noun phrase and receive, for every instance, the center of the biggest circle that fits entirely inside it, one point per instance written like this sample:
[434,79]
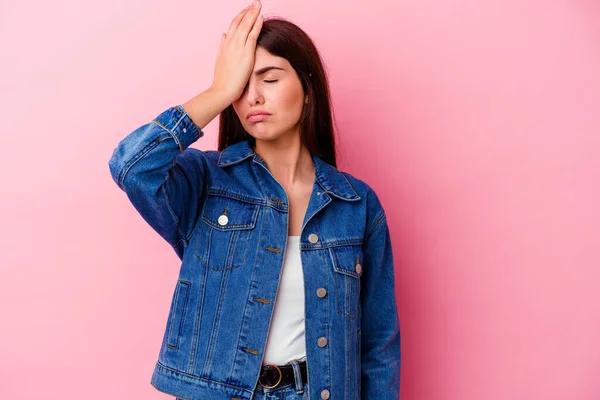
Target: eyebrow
[265,69]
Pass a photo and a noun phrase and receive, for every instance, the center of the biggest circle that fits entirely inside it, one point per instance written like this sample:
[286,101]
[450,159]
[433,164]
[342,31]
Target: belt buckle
[280,377]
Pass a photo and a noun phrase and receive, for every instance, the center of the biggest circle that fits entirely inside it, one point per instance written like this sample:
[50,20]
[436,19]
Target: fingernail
[254,3]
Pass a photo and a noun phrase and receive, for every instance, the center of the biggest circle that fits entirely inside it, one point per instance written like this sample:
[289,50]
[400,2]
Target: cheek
[289,102]
[242,118]
[236,109]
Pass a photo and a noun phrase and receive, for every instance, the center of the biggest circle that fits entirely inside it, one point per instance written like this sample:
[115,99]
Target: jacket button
[321,292]
[313,238]
[358,268]
[223,220]
[322,342]
[325,394]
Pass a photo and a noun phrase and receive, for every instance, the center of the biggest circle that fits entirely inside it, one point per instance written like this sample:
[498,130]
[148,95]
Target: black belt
[272,376]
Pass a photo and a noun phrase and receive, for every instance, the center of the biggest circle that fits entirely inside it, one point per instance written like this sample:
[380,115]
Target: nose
[253,94]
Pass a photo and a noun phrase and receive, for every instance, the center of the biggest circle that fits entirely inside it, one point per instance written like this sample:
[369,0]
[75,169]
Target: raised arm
[165,180]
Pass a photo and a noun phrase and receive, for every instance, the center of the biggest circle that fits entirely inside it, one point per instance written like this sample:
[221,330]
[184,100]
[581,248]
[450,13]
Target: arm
[153,165]
[163,179]
[380,342]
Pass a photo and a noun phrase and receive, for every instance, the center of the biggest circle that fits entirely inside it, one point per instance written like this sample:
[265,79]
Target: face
[276,91]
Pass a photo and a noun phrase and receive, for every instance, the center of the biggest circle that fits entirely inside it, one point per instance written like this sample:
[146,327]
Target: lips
[257,116]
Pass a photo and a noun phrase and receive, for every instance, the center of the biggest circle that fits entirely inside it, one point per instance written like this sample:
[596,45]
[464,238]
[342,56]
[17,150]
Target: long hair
[285,39]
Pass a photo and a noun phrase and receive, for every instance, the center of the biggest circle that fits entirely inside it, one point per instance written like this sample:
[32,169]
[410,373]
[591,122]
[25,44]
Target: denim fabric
[288,392]
[226,217]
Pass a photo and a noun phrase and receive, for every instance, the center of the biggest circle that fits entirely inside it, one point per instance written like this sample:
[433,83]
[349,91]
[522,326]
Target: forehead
[262,58]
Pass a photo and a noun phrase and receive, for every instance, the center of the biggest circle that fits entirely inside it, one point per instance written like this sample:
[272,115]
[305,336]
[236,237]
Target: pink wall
[478,122]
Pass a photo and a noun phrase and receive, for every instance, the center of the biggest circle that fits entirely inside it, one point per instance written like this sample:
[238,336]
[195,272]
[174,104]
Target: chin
[262,134]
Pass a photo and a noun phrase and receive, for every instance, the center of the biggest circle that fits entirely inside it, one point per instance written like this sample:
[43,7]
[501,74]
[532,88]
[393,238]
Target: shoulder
[363,189]
[370,199]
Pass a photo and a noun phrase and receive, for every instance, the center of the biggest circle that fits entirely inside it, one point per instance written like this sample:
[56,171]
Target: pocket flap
[347,260]
[226,213]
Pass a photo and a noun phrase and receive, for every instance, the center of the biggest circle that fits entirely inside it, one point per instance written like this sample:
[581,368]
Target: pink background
[477,122]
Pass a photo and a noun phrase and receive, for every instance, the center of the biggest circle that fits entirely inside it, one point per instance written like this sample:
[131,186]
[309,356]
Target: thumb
[221,44]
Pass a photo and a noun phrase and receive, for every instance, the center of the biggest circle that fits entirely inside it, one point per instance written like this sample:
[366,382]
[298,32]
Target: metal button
[313,238]
[325,394]
[322,342]
[223,220]
[184,130]
[321,292]
[358,268]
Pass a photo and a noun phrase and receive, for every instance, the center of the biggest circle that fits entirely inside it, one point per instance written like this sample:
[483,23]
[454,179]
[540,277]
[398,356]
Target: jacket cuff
[180,125]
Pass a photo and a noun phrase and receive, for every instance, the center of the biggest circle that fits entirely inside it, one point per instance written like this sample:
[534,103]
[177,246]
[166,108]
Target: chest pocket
[225,230]
[347,267]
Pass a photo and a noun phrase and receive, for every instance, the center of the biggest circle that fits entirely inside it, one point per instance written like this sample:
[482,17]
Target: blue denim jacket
[226,217]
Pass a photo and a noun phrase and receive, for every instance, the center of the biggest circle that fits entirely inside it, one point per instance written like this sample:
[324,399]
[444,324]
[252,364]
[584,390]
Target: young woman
[286,287]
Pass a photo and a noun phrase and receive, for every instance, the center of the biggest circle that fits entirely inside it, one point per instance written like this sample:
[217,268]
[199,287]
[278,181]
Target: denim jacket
[226,217]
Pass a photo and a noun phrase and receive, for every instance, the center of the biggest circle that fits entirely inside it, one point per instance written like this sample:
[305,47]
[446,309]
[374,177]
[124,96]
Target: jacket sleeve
[380,337]
[162,179]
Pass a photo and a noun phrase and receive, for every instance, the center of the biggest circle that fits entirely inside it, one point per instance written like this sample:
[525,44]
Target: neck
[288,160]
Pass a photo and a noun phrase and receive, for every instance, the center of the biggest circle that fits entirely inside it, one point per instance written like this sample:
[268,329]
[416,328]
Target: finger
[220,49]
[253,35]
[236,21]
[248,21]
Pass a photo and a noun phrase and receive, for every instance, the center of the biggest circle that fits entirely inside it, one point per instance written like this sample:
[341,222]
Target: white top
[285,340]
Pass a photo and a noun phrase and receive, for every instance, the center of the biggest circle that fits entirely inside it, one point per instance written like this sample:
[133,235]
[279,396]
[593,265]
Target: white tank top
[285,340]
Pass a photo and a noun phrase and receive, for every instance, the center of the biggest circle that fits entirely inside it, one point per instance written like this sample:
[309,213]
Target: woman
[286,287]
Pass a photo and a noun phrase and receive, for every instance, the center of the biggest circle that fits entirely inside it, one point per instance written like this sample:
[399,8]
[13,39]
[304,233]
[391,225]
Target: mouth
[258,117]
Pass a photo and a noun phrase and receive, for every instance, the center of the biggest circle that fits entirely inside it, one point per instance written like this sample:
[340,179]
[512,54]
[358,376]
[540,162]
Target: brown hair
[285,39]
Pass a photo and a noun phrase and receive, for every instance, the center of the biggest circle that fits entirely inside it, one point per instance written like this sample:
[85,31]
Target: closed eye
[271,81]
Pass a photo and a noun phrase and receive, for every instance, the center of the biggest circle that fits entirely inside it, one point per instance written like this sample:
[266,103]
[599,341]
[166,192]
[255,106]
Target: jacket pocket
[227,224]
[347,266]
[177,313]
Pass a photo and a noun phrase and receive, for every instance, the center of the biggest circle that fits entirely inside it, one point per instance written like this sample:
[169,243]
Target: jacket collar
[330,178]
